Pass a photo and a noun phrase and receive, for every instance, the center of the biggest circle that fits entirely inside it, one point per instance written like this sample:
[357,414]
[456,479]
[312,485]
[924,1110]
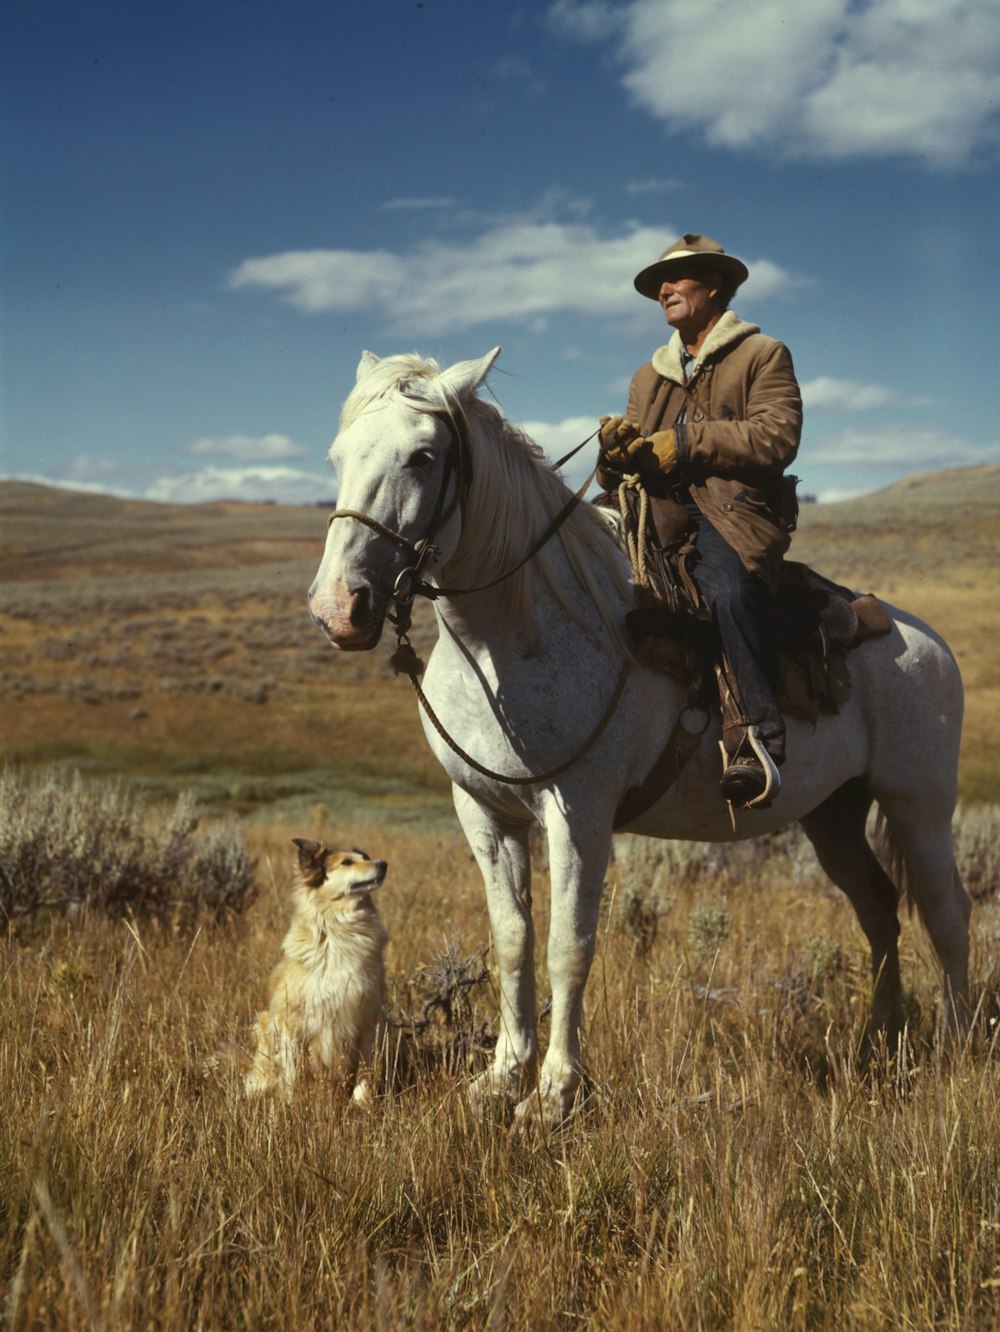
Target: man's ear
[713,281]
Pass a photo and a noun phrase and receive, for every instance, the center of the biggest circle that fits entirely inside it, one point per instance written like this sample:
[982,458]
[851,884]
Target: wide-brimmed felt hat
[690,249]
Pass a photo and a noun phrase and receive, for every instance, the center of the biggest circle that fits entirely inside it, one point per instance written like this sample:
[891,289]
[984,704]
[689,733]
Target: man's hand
[624,450]
[615,432]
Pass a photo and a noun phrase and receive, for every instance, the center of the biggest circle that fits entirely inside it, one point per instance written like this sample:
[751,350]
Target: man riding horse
[712,422]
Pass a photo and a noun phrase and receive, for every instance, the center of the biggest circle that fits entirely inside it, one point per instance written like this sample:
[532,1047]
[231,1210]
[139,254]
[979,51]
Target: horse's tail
[890,855]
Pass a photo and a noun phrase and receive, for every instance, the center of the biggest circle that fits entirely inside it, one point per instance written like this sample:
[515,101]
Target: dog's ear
[311,854]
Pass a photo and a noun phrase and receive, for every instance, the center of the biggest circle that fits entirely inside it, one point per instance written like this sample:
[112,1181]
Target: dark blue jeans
[736,599]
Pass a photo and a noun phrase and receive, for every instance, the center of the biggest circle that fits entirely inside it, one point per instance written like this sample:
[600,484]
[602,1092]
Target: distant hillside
[921,526]
[173,641]
[52,533]
[49,532]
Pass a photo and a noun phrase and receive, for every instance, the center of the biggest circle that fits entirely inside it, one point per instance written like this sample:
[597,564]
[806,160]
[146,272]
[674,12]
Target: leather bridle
[681,743]
[458,466]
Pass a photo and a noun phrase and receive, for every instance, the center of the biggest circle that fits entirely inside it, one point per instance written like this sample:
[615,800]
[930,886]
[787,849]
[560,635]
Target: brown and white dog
[327,992]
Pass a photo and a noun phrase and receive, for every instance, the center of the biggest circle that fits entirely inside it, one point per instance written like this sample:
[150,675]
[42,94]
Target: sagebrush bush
[69,845]
[977,849]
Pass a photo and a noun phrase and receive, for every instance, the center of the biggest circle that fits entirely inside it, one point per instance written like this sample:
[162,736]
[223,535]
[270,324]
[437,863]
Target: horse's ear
[366,365]
[464,377]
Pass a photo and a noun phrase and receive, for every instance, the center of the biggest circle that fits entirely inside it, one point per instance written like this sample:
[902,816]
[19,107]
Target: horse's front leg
[501,851]
[578,861]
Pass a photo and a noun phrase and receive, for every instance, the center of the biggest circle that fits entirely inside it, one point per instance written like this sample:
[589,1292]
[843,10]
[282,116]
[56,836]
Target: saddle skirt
[812,621]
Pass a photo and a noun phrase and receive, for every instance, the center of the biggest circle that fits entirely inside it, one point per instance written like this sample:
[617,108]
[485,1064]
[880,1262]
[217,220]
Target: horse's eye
[420,460]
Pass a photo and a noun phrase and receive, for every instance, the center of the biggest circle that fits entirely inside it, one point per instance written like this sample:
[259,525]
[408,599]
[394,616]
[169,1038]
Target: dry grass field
[732,1166]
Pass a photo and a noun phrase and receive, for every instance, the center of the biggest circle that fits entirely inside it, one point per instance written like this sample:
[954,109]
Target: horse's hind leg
[837,831]
[923,837]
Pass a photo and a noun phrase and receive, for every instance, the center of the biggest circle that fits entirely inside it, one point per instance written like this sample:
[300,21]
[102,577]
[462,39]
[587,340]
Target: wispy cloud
[900,446]
[517,70]
[558,438]
[70,482]
[521,270]
[249,448]
[828,396]
[285,485]
[586,20]
[280,485]
[828,79]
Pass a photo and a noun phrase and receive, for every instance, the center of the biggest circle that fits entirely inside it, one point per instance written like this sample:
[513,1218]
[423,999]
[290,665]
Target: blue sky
[212,208]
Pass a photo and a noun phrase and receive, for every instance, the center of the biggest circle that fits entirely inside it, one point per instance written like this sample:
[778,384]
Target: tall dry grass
[731,1168]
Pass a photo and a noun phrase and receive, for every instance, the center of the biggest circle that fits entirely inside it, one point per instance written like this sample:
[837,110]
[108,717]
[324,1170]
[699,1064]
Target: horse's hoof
[538,1117]
[488,1099]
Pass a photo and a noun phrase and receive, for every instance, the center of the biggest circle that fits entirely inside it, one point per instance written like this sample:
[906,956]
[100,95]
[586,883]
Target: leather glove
[615,431]
[644,454]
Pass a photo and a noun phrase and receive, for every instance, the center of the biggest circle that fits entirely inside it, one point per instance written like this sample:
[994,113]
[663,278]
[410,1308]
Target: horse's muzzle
[351,619]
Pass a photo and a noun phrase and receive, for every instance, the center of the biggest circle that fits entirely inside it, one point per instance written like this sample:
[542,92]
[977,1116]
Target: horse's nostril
[360,605]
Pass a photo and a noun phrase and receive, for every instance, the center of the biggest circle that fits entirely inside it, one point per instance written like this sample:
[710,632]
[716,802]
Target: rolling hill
[171,643]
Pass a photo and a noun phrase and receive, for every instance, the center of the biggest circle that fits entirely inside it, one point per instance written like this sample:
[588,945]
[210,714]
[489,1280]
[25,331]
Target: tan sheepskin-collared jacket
[740,431]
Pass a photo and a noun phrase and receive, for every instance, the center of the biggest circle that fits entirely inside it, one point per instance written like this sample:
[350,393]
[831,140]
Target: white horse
[547,718]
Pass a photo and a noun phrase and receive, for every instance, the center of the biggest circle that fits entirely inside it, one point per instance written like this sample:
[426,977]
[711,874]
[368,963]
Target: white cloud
[559,438]
[85,468]
[520,270]
[286,485]
[834,494]
[283,485]
[827,395]
[827,79]
[900,446]
[249,448]
[316,280]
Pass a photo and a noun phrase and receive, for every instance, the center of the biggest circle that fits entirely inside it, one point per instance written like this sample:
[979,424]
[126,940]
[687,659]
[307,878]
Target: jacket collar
[726,334]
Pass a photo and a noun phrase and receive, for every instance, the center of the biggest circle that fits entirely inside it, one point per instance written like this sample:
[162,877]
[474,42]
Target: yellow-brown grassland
[733,1164]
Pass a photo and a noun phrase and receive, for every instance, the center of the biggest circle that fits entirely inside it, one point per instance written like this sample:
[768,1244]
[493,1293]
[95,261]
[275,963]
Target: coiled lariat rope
[635,533]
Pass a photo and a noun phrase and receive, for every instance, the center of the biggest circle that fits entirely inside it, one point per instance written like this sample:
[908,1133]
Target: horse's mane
[514,494]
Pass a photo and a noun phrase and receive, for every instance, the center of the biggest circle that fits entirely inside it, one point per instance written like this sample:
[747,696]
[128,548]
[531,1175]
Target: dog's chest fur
[333,960]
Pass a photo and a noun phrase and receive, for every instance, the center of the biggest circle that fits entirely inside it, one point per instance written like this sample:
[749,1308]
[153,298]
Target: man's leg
[736,598]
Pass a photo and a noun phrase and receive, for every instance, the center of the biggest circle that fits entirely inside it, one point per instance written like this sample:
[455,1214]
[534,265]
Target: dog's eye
[346,862]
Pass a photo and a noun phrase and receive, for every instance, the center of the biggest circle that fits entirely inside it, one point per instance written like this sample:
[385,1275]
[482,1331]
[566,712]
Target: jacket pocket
[754,509]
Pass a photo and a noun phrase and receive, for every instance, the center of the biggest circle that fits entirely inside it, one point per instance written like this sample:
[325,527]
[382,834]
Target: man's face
[689,298]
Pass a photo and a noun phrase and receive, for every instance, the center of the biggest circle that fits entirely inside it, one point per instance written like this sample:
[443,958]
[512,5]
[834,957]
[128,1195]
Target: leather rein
[458,464]
[683,740]
[410,584]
